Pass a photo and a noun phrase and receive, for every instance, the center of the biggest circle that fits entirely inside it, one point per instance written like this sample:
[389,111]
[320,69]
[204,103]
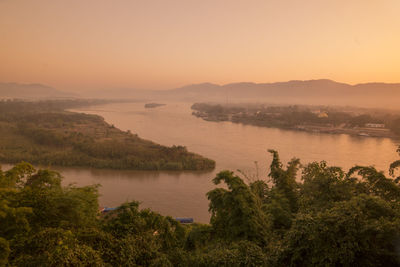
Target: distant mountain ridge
[322,91]
[30,91]
[297,87]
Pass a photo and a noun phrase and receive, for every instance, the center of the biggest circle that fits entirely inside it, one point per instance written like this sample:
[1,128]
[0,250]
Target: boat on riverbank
[153,105]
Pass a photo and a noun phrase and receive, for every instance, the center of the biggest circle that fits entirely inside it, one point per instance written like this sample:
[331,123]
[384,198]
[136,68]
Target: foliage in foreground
[328,217]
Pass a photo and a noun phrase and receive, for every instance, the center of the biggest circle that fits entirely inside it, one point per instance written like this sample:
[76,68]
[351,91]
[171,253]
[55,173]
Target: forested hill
[295,88]
[30,91]
[316,92]
[44,133]
[321,91]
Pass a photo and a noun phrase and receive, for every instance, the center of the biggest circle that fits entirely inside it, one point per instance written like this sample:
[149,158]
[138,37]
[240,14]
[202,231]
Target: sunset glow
[98,44]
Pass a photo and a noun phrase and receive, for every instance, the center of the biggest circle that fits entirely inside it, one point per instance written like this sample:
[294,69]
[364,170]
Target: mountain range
[322,91]
[31,91]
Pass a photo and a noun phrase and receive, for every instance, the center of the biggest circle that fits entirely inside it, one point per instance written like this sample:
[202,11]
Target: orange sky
[78,44]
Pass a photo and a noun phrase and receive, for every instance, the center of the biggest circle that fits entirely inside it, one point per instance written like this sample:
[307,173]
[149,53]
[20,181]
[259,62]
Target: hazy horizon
[78,46]
[75,90]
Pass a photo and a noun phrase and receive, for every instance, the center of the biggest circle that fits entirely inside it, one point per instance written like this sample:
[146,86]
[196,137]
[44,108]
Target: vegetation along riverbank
[317,119]
[44,133]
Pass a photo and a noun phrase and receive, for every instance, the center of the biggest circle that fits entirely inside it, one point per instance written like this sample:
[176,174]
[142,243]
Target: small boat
[363,134]
[185,220]
[153,105]
[106,209]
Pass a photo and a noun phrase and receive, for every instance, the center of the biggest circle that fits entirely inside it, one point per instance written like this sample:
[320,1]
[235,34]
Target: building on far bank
[322,115]
[374,125]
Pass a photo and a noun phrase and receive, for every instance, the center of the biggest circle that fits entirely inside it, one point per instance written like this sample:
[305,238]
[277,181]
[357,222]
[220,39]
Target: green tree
[323,186]
[238,254]
[393,166]
[145,236]
[236,213]
[376,183]
[285,180]
[362,232]
[54,247]
[57,206]
[4,251]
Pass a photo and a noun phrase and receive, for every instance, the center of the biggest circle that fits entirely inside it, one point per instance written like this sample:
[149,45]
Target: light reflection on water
[232,146]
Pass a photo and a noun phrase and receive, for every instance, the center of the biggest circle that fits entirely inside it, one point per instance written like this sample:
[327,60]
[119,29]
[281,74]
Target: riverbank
[307,119]
[35,133]
[358,131]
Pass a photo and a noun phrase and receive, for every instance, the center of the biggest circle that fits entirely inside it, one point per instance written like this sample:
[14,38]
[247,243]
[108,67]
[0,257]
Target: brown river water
[232,146]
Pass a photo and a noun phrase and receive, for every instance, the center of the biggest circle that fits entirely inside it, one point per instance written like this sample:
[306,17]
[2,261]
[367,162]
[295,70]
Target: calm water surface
[232,146]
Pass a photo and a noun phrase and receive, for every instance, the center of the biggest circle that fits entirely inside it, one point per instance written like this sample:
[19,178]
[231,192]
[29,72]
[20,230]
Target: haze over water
[232,146]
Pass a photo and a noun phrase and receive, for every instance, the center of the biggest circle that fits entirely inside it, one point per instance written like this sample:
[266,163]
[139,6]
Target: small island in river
[153,105]
[316,119]
[45,133]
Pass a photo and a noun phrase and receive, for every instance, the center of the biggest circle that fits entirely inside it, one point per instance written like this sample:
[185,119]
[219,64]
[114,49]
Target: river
[232,146]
